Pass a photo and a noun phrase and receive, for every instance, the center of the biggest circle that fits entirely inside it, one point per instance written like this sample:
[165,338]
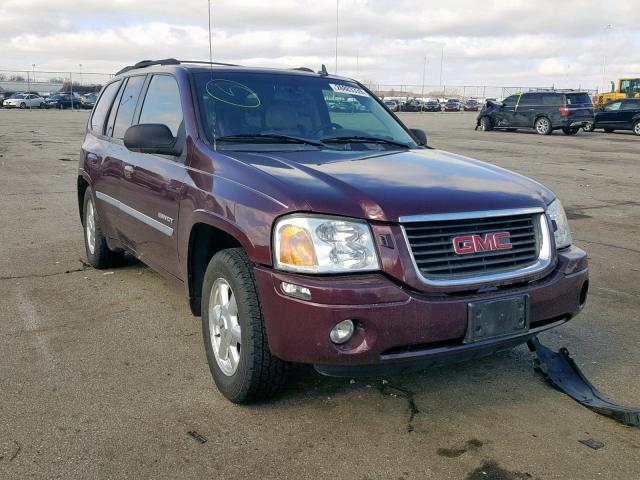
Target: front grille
[432,248]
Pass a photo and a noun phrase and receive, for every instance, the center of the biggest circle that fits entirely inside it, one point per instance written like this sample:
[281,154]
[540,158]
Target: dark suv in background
[541,111]
[304,234]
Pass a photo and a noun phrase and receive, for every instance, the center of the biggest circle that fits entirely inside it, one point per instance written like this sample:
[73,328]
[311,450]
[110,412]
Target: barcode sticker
[348,89]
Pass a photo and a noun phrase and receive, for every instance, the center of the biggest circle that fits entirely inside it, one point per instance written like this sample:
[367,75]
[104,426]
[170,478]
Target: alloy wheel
[224,329]
[542,126]
[90,226]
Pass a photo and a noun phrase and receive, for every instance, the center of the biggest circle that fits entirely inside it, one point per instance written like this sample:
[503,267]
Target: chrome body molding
[152,222]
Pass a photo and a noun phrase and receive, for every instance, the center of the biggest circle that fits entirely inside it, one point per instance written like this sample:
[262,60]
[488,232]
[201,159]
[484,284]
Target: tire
[543,126]
[23,105]
[486,125]
[636,127]
[95,243]
[41,105]
[609,130]
[61,107]
[511,129]
[247,372]
[589,127]
[570,131]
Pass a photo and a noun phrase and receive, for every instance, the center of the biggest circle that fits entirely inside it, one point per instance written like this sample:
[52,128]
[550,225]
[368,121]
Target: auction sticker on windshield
[336,87]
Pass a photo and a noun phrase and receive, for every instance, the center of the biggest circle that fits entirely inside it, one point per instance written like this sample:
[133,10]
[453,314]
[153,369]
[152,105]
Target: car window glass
[552,99]
[630,104]
[127,105]
[162,103]
[511,101]
[578,99]
[613,106]
[102,107]
[528,99]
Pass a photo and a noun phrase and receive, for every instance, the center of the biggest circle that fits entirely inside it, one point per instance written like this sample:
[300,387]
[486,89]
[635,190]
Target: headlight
[562,232]
[315,244]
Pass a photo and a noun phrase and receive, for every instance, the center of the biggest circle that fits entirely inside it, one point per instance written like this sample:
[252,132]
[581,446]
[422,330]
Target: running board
[559,369]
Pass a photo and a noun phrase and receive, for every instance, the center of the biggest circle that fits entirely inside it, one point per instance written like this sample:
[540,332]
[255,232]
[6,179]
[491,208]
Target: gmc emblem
[476,243]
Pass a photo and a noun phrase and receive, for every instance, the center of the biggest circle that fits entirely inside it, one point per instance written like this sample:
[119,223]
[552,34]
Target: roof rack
[169,61]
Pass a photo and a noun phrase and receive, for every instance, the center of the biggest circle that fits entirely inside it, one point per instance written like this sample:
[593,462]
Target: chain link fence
[460,92]
[46,83]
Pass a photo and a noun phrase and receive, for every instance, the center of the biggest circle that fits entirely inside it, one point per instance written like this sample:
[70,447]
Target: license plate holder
[497,318]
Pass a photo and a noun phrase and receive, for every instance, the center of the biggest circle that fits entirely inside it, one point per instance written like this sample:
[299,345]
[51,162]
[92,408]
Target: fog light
[342,332]
[296,291]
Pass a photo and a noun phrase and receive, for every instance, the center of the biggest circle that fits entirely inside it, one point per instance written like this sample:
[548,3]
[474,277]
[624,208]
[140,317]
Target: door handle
[128,172]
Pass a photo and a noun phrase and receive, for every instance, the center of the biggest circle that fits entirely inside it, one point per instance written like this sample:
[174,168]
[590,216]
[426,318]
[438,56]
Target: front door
[151,185]
[504,116]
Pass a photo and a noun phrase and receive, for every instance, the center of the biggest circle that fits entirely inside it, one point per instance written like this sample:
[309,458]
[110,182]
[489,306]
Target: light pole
[33,67]
[80,65]
[337,30]
[607,29]
[441,63]
[424,71]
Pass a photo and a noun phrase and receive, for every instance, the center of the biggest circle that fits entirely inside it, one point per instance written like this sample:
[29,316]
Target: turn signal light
[296,247]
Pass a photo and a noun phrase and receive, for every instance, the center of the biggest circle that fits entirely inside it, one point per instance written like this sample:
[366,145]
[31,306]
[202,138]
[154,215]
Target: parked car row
[547,111]
[60,101]
[432,105]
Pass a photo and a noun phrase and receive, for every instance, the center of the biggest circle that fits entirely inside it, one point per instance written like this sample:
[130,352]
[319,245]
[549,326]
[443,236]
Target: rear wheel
[235,339]
[543,126]
[570,130]
[589,127]
[98,253]
[609,130]
[486,124]
[41,105]
[636,128]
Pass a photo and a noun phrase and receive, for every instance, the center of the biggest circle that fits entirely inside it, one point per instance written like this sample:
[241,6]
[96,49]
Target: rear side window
[127,106]
[631,104]
[162,103]
[102,107]
[578,99]
[552,99]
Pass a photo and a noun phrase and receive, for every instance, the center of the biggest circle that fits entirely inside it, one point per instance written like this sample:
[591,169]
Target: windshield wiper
[364,139]
[269,136]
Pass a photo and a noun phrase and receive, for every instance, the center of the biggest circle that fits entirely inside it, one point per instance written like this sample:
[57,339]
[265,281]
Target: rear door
[524,112]
[152,184]
[628,113]
[104,170]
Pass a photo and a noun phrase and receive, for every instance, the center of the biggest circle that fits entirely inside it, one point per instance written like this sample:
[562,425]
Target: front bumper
[397,327]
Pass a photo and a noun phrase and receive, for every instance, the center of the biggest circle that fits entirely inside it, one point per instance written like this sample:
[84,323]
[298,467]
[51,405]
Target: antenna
[215,147]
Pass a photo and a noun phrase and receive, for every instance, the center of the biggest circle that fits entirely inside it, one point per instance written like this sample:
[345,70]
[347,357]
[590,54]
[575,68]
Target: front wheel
[543,126]
[42,105]
[486,124]
[23,105]
[589,127]
[235,339]
[569,130]
[636,128]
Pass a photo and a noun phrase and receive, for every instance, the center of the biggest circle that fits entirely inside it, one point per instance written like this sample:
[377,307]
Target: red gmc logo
[478,243]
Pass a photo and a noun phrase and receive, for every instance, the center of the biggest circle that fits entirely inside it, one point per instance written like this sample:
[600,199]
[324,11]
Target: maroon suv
[305,234]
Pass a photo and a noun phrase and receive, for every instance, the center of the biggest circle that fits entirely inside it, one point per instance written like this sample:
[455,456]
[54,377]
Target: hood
[387,185]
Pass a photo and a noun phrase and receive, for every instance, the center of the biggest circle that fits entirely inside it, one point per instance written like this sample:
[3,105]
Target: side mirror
[152,138]
[420,136]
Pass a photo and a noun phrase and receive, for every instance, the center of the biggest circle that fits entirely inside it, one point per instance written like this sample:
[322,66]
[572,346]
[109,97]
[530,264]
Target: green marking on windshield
[232,93]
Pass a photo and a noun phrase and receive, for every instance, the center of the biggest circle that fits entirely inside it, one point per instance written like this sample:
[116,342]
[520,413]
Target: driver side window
[612,106]
[511,101]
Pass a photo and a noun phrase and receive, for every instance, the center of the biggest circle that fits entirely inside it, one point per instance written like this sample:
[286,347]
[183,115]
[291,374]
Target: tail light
[564,111]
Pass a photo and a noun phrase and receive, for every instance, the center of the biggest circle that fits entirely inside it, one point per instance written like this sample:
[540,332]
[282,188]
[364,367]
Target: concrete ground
[102,374]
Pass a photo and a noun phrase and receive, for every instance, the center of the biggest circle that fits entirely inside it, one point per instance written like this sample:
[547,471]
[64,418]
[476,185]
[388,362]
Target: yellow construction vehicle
[627,88]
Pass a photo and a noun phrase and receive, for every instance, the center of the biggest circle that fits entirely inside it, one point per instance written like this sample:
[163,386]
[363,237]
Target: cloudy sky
[488,42]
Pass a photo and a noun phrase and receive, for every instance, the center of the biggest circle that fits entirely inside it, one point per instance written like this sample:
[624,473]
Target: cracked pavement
[103,373]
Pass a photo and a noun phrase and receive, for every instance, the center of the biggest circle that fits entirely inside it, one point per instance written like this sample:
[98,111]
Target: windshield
[18,95]
[239,108]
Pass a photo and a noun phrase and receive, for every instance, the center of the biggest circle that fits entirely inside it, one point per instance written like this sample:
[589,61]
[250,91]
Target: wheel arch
[205,240]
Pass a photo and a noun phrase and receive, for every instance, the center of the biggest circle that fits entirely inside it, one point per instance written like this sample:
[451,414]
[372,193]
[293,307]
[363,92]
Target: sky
[564,43]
